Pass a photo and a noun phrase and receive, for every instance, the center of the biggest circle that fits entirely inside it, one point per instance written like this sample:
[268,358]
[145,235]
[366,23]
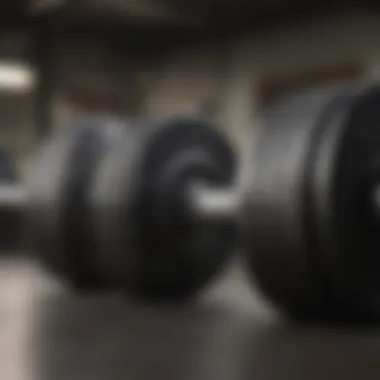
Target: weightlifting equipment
[158,246]
[306,205]
[155,209]
[74,212]
[55,198]
[310,217]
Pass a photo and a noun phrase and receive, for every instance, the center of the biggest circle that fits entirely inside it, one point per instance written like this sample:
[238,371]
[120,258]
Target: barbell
[157,208]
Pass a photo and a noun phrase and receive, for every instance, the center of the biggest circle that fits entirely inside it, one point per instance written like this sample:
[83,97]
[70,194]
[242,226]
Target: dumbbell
[159,209]
[73,211]
[53,204]
[305,205]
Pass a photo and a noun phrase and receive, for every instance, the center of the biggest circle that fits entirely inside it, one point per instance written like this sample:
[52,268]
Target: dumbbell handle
[205,201]
[12,196]
[212,203]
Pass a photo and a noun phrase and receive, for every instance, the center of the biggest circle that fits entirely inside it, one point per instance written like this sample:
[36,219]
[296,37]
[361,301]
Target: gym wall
[227,78]
[237,73]
[96,77]
[17,122]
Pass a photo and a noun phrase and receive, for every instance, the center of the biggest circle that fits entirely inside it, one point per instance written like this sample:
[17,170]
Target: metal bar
[211,203]
[12,196]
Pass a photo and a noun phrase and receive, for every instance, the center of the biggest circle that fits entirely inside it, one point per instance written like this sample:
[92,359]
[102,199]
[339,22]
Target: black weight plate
[156,249]
[58,187]
[345,172]
[277,222]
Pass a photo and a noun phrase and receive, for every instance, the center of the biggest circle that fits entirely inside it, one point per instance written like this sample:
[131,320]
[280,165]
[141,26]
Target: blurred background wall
[98,57]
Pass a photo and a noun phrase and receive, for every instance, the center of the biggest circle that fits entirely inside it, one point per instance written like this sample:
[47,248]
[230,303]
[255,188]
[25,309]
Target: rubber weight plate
[155,247]
[345,172]
[277,220]
[309,217]
[58,188]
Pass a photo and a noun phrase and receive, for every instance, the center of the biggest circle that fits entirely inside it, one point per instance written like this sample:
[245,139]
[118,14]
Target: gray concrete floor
[46,333]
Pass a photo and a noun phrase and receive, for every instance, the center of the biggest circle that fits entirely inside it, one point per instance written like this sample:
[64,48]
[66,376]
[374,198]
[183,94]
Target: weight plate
[344,175]
[308,216]
[277,221]
[58,188]
[156,248]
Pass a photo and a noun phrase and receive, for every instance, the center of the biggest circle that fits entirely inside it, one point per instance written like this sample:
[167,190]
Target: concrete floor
[230,334]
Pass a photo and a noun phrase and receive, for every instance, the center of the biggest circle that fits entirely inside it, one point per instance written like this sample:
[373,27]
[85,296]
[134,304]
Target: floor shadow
[110,339]
[309,352]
